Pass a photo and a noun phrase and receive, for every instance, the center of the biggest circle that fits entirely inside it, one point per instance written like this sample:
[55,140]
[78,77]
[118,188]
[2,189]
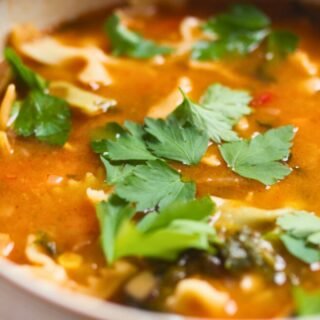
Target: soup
[167,159]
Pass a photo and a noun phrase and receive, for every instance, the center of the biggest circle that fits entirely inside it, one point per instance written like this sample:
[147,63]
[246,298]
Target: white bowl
[22,296]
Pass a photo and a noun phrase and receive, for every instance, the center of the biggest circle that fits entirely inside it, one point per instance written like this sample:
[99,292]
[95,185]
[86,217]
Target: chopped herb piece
[307,303]
[28,77]
[129,145]
[44,240]
[240,43]
[281,43]
[125,42]
[240,31]
[231,103]
[243,16]
[154,184]
[46,117]
[171,140]
[165,238]
[195,210]
[221,109]
[101,135]
[260,157]
[111,215]
[301,237]
[116,172]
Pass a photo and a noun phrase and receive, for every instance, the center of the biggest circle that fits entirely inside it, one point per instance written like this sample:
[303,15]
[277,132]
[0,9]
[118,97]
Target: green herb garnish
[154,184]
[46,117]
[240,31]
[125,42]
[261,158]
[170,140]
[301,235]
[24,74]
[162,235]
[219,110]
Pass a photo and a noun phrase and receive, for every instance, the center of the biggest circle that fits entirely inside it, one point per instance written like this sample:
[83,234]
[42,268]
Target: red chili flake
[261,99]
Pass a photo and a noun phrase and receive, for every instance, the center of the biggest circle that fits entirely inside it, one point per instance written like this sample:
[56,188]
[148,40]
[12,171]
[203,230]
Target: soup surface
[50,191]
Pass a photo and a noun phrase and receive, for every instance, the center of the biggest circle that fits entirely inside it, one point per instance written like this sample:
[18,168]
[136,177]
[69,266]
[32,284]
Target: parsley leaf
[307,303]
[46,117]
[128,43]
[259,158]
[171,140]
[23,73]
[221,108]
[281,43]
[154,184]
[302,235]
[171,231]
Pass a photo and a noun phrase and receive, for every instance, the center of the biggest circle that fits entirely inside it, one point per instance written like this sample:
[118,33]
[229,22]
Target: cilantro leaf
[46,117]
[111,214]
[23,73]
[175,229]
[244,16]
[301,237]
[239,31]
[165,243]
[221,109]
[281,43]
[116,172]
[101,135]
[260,157]
[239,43]
[195,210]
[129,145]
[231,103]
[128,43]
[154,184]
[171,140]
[307,303]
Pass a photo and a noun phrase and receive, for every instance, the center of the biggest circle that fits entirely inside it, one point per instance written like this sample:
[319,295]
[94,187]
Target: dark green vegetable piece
[46,117]
[125,42]
[24,74]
